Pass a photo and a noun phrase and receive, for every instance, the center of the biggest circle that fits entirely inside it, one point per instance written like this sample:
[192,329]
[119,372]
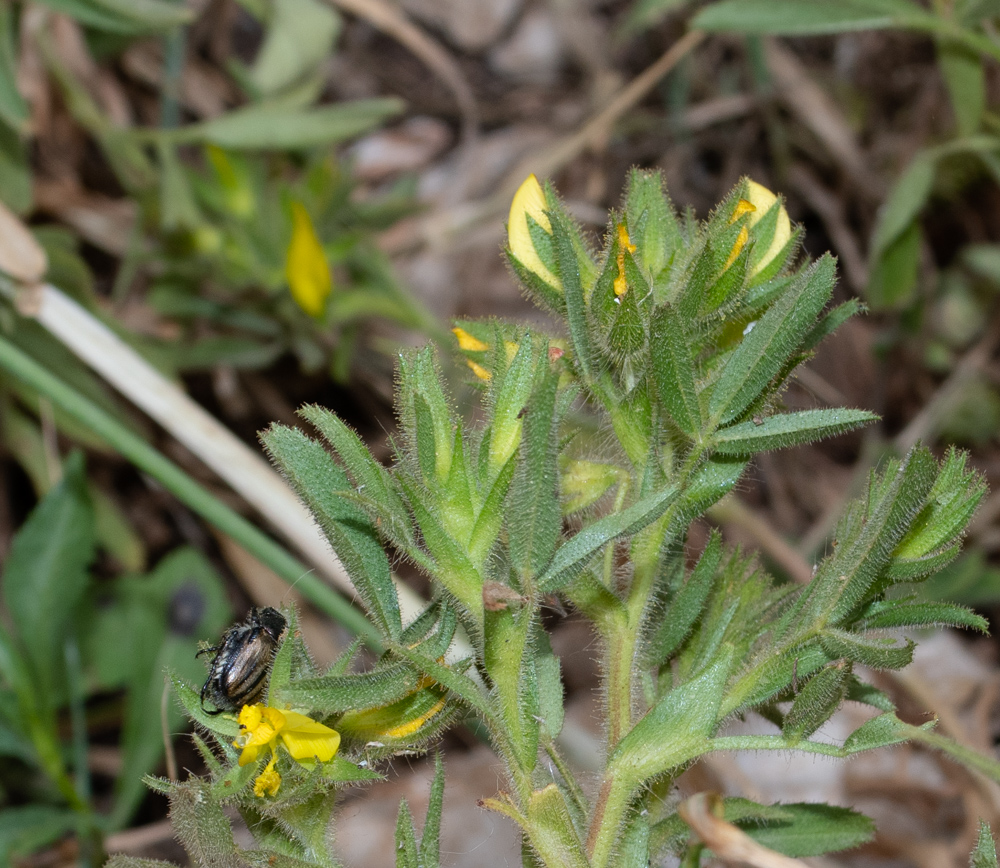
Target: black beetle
[238,673]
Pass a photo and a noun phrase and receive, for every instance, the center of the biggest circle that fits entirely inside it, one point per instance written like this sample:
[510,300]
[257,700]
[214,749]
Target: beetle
[239,671]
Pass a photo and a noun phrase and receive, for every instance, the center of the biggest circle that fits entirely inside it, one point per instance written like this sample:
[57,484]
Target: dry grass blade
[244,470]
[20,255]
[727,842]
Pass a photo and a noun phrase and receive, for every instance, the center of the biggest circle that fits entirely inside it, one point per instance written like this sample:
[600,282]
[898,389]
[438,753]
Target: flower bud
[306,267]
[529,201]
[762,200]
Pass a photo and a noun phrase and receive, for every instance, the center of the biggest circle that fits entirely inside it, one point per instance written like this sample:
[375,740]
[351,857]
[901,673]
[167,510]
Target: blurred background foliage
[170,158]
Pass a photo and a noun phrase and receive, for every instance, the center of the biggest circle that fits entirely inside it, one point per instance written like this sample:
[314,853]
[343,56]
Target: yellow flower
[529,200]
[479,370]
[261,726]
[469,343]
[306,268]
[268,781]
[760,201]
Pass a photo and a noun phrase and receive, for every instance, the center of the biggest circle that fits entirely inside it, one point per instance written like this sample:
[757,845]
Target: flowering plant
[679,339]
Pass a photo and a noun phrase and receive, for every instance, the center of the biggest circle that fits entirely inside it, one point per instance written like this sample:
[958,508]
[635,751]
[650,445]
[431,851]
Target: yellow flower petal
[529,200]
[468,343]
[268,781]
[259,727]
[479,370]
[741,242]
[306,738]
[306,267]
[411,726]
[743,207]
[762,199]
[624,244]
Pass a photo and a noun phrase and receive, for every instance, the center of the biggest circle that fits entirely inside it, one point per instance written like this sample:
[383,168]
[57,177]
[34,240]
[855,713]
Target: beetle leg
[211,649]
[207,711]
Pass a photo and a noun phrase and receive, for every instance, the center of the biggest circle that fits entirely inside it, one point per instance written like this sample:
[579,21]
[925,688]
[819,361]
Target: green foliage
[961,34]
[63,637]
[216,199]
[985,853]
[221,250]
[426,854]
[686,384]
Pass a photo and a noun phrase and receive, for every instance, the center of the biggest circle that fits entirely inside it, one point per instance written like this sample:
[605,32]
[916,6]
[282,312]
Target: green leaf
[201,825]
[45,574]
[821,696]
[509,660]
[813,829]
[331,694]
[652,223]
[343,770]
[13,108]
[647,13]
[122,16]
[27,828]
[533,515]
[710,483]
[158,617]
[568,271]
[886,614]
[984,855]
[15,172]
[674,370]
[461,685]
[300,36]
[788,429]
[772,340]
[430,840]
[830,321]
[950,506]
[318,481]
[551,830]
[894,276]
[881,731]
[551,697]
[406,839]
[962,69]
[807,17]
[270,127]
[370,477]
[858,691]
[453,570]
[572,557]
[894,501]
[675,730]
[777,675]
[149,13]
[875,651]
[907,199]
[915,569]
[687,605]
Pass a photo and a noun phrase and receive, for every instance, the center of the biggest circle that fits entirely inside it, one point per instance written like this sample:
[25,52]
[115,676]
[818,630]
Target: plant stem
[189,492]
